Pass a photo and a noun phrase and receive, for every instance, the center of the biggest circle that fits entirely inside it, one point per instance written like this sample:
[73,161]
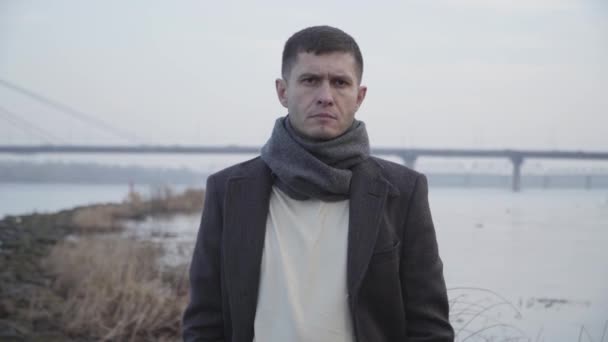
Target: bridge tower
[517,161]
[409,160]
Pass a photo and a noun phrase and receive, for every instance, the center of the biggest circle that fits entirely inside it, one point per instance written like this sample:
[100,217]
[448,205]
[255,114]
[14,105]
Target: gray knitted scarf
[305,168]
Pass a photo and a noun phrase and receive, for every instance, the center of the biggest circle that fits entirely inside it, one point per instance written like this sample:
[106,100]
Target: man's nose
[325,96]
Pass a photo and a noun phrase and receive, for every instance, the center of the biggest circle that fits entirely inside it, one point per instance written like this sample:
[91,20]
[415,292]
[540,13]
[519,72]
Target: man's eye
[309,80]
[340,83]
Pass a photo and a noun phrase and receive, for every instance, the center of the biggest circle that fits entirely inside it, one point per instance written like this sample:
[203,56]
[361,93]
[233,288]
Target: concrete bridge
[408,155]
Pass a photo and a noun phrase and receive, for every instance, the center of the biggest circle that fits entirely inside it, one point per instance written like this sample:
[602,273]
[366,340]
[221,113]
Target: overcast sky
[473,73]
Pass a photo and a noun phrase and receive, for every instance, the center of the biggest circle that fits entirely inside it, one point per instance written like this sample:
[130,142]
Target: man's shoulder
[398,175]
[392,169]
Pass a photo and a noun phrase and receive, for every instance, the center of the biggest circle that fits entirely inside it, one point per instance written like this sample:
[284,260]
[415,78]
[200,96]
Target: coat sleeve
[424,290]
[202,319]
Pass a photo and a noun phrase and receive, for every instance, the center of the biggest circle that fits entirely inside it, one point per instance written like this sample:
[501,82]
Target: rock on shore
[24,241]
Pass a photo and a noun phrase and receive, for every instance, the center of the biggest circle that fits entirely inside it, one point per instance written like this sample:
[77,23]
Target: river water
[531,266]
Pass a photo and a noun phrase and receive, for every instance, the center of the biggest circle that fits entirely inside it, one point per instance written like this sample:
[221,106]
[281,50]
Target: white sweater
[303,295]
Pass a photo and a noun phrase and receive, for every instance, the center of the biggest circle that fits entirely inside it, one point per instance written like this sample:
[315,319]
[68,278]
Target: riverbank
[65,278]
[517,245]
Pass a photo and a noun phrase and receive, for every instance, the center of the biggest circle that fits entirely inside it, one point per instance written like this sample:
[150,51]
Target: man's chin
[323,133]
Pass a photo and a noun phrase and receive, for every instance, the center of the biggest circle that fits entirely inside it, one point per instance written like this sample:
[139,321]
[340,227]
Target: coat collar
[245,215]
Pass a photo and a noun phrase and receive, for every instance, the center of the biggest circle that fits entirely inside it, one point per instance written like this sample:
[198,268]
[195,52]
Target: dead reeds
[115,289]
[479,314]
[104,218]
[108,218]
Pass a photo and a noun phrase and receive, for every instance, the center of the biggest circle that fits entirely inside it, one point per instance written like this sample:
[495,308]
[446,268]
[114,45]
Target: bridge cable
[28,127]
[99,124]
[26,130]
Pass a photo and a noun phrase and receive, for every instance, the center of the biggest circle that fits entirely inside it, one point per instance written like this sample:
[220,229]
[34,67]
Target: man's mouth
[323,116]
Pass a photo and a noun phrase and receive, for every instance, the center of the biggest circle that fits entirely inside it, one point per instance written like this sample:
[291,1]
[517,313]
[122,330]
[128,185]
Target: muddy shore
[29,306]
[24,242]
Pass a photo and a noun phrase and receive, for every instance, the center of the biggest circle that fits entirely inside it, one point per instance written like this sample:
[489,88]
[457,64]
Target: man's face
[322,94]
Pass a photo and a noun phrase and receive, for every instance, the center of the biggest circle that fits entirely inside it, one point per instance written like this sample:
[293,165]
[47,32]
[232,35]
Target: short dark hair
[319,40]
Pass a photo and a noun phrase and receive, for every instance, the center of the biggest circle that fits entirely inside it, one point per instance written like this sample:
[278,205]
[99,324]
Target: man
[315,240]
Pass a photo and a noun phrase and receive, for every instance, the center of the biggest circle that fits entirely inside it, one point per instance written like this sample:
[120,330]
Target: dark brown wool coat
[395,279]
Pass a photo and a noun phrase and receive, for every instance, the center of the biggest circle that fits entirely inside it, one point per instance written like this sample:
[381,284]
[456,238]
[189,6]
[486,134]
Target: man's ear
[281,86]
[361,95]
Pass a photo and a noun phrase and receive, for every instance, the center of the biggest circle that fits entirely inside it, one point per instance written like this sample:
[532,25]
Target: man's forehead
[333,62]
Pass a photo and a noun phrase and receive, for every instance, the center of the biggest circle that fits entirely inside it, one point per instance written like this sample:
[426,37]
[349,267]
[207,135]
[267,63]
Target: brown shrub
[99,218]
[105,218]
[164,200]
[114,289]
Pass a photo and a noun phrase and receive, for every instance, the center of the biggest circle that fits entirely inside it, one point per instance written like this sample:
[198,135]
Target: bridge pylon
[409,160]
[517,161]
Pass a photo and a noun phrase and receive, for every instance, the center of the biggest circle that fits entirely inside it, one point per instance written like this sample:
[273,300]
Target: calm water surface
[24,198]
[531,266]
[545,252]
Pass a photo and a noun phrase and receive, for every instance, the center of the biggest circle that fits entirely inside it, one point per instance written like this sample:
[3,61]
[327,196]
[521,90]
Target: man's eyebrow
[309,74]
[342,76]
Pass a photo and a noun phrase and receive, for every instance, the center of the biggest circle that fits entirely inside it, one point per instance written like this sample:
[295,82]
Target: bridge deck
[409,156]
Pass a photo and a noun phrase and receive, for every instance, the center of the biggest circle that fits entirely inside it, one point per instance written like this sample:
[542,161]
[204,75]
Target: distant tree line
[59,172]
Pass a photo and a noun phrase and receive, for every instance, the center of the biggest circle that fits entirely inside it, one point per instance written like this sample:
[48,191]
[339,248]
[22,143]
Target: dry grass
[111,288]
[479,314]
[114,289]
[164,200]
[99,218]
[106,218]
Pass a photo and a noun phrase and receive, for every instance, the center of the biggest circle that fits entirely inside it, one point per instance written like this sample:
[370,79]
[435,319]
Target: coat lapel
[245,214]
[368,194]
